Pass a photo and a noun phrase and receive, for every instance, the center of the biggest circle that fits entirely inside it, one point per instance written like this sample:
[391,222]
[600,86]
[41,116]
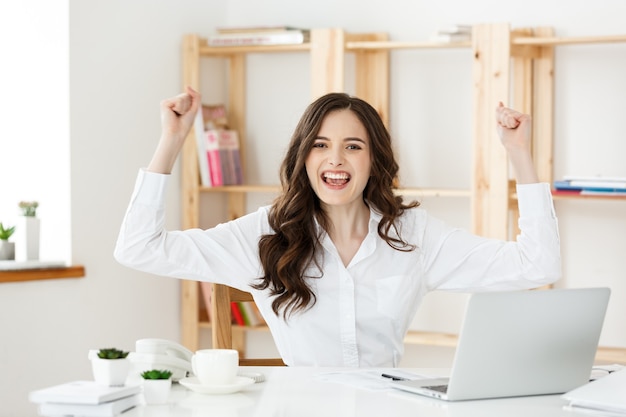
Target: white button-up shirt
[362,311]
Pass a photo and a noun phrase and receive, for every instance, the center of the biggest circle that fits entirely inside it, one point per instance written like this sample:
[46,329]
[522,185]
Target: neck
[348,222]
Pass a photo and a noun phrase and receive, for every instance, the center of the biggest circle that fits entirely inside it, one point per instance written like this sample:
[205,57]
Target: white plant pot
[27,238]
[110,372]
[156,391]
[7,250]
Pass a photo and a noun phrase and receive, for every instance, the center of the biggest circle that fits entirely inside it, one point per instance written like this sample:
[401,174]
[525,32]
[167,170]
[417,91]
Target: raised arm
[177,117]
[514,129]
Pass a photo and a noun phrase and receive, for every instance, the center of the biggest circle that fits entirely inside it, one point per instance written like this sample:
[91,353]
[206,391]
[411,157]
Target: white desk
[301,392]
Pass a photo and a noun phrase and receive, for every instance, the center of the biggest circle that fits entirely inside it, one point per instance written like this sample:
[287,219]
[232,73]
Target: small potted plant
[27,238]
[7,249]
[157,384]
[110,367]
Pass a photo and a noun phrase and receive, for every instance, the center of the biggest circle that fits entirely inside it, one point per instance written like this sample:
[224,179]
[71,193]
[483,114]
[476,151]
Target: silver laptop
[522,343]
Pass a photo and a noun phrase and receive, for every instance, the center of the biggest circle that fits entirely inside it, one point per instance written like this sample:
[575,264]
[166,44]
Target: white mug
[215,366]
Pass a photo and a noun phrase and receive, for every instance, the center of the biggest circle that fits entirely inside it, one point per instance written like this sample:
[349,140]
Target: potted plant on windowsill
[27,237]
[157,384]
[110,367]
[7,249]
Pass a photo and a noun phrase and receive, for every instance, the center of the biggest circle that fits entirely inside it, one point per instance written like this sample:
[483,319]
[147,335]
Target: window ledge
[75,271]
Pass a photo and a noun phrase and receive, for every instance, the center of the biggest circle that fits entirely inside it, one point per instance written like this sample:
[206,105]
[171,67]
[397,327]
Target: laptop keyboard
[439,388]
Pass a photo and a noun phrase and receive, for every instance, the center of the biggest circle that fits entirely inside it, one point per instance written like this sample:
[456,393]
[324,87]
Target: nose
[335,158]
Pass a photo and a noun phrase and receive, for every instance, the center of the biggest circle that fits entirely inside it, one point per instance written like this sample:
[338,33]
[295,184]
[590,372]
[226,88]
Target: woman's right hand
[177,118]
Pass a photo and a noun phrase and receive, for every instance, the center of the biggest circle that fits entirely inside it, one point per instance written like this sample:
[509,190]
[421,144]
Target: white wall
[125,57]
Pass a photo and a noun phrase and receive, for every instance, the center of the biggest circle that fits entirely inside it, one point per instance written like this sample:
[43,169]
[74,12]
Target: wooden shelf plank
[611,355]
[391,45]
[570,40]
[415,337]
[577,196]
[74,271]
[234,50]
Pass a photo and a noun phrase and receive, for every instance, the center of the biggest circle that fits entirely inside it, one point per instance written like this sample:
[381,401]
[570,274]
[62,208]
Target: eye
[319,145]
[353,147]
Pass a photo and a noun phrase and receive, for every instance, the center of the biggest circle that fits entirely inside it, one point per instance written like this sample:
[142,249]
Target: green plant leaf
[112,353]
[5,233]
[156,374]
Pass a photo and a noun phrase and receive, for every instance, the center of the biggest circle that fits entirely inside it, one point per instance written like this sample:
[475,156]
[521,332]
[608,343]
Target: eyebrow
[349,139]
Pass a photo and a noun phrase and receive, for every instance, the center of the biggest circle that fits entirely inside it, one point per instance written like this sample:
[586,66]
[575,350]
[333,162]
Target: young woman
[338,264]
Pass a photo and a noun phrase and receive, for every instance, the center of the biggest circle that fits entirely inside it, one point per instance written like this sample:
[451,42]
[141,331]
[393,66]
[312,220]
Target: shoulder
[411,223]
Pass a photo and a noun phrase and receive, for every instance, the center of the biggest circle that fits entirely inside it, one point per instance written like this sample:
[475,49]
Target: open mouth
[336,178]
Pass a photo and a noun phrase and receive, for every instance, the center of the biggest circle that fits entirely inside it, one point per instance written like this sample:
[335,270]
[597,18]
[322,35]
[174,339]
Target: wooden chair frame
[222,326]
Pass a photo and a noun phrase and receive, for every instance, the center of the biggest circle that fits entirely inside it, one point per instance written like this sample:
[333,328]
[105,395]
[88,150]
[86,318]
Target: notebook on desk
[607,394]
[522,343]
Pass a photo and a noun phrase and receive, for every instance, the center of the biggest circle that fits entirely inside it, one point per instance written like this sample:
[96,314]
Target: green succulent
[5,234]
[156,374]
[112,353]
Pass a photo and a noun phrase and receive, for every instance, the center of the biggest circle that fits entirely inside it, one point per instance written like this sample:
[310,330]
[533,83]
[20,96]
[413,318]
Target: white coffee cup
[215,366]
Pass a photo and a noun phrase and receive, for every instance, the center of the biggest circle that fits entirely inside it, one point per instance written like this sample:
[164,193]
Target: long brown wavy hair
[292,251]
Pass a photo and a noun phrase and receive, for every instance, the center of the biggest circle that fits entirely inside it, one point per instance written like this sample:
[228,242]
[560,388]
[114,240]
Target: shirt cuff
[535,200]
[150,188]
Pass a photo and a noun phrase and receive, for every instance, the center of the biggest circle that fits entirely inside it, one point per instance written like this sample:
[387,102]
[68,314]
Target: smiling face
[339,163]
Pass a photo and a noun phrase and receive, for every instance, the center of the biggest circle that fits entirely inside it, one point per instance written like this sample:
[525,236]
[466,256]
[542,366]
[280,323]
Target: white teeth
[336,175]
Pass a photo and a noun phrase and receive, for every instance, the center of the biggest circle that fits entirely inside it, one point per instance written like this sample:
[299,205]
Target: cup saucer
[195,385]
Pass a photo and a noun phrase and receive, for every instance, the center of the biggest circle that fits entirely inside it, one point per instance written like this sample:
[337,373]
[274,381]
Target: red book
[237,314]
[213,156]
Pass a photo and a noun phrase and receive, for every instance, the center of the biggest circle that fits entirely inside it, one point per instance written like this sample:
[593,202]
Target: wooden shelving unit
[326,51]
[513,66]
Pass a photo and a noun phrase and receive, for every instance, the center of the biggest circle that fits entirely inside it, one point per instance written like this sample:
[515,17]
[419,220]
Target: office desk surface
[303,392]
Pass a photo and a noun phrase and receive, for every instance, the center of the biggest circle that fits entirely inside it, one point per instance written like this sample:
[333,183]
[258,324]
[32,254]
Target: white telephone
[162,354]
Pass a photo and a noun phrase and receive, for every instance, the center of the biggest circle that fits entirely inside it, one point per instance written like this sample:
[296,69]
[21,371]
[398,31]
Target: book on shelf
[458,28]
[82,392]
[451,37]
[595,182]
[256,29]
[237,315]
[251,314]
[614,192]
[224,159]
[219,159]
[591,186]
[454,33]
[203,162]
[106,409]
[244,313]
[214,116]
[281,37]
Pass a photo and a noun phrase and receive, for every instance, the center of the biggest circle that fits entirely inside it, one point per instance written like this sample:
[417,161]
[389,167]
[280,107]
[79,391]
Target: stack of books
[452,34]
[602,397]
[258,35]
[86,398]
[594,185]
[219,155]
